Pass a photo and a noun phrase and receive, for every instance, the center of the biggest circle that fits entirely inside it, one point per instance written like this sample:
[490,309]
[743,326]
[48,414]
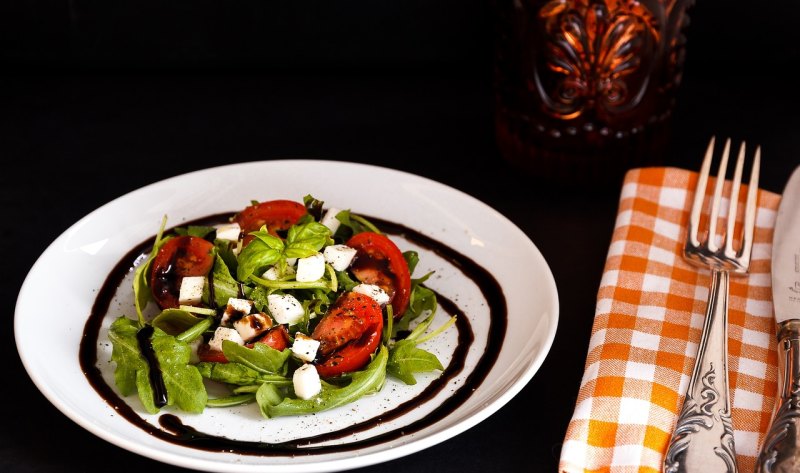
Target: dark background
[99,98]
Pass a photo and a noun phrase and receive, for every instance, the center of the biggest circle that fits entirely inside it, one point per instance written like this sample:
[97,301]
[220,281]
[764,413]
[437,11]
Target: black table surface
[76,137]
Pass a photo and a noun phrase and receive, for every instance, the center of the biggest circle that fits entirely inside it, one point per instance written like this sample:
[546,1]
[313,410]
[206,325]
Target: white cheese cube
[191,292]
[285,309]
[339,256]
[291,261]
[374,292]
[224,333]
[235,310]
[229,232]
[311,268]
[330,220]
[305,347]
[306,382]
[273,275]
[253,325]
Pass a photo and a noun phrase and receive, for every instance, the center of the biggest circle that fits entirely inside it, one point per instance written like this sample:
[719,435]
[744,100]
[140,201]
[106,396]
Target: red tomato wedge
[277,337]
[277,215]
[380,262]
[179,257]
[348,334]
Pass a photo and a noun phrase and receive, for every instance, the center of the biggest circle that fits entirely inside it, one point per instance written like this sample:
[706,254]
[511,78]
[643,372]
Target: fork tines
[723,254]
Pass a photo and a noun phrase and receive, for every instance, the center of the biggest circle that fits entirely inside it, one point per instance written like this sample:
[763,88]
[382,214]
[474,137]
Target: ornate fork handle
[781,450]
[703,438]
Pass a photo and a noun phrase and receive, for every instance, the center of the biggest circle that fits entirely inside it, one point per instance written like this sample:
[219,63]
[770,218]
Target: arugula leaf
[313,206]
[125,353]
[225,286]
[356,223]
[405,359]
[141,277]
[200,231]
[230,401]
[412,258]
[239,374]
[132,374]
[175,321]
[421,302]
[261,358]
[225,251]
[183,381]
[363,382]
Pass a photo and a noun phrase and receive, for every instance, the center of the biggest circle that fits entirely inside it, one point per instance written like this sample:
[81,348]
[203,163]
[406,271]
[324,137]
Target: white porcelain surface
[69,273]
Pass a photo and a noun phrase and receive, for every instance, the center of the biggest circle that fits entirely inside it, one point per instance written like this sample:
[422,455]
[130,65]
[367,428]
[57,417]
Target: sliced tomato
[380,262]
[179,257]
[277,215]
[277,337]
[348,334]
[207,354]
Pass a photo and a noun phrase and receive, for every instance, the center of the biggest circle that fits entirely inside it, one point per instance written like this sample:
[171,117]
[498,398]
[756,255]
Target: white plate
[69,273]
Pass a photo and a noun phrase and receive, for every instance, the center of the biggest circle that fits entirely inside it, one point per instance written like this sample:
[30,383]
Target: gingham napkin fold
[649,316]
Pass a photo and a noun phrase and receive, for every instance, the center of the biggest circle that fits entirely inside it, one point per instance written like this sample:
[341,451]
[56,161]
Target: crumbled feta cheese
[305,347]
[306,382]
[235,310]
[339,256]
[285,309]
[191,291]
[330,220]
[253,325]
[224,333]
[374,292]
[311,268]
[229,232]
[273,275]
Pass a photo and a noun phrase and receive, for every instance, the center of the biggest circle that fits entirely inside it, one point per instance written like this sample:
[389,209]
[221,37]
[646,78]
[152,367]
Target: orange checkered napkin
[649,316]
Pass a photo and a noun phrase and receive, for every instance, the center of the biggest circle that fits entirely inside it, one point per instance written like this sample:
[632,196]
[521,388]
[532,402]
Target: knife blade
[780,451]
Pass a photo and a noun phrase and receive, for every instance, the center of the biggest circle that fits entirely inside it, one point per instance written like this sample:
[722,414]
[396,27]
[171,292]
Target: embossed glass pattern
[586,84]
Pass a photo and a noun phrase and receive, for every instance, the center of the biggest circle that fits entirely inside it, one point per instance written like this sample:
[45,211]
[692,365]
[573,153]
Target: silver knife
[780,451]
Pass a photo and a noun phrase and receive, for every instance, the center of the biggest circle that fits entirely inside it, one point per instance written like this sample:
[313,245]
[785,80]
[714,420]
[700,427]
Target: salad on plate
[293,306]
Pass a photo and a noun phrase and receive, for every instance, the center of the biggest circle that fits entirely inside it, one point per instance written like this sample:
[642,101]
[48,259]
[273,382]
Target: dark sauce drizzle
[174,431]
[154,371]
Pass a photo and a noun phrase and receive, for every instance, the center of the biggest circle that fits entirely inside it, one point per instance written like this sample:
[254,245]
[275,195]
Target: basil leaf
[363,382]
[256,257]
[307,239]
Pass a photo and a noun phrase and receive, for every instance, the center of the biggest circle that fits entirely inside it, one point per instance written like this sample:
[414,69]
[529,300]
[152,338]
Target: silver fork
[703,437]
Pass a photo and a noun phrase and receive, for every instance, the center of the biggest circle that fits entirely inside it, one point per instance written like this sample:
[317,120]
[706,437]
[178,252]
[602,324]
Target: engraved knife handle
[780,451]
[703,437]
